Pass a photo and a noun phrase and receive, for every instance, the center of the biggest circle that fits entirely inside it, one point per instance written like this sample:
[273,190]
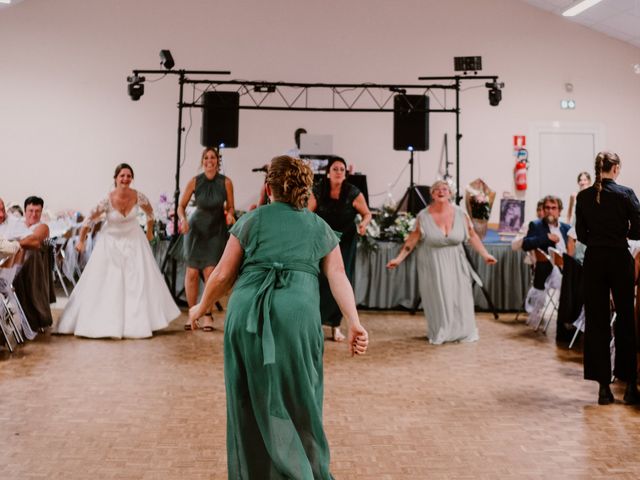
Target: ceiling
[617,18]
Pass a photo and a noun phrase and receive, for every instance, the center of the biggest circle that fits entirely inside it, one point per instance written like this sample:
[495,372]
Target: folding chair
[556,258]
[8,327]
[9,299]
[59,257]
[532,267]
[552,289]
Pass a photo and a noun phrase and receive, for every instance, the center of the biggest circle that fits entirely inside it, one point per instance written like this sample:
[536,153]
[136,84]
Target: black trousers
[540,274]
[609,270]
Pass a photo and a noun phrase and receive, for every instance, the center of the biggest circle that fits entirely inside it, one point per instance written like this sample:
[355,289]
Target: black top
[611,222]
[339,214]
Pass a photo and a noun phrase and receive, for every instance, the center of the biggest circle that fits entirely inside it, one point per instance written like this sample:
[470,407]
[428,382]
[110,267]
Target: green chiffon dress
[204,243]
[273,346]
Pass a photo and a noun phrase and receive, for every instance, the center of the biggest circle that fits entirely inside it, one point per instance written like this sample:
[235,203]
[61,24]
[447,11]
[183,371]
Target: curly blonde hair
[290,180]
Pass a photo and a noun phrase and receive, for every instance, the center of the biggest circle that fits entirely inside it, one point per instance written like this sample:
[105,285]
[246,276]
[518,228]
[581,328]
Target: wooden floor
[512,405]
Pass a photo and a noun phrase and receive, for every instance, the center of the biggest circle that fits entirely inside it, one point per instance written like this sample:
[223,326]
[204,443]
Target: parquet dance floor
[512,405]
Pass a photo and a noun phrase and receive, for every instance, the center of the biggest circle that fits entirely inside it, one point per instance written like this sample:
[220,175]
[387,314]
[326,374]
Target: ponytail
[598,182]
[605,161]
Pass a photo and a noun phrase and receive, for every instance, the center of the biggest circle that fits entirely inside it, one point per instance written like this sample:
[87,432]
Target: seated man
[30,233]
[34,281]
[32,219]
[546,232]
[516,243]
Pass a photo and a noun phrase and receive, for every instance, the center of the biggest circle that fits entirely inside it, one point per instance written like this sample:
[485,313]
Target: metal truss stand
[264,95]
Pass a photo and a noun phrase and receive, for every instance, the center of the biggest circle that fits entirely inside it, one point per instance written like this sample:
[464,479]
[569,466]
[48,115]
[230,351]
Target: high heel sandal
[207,323]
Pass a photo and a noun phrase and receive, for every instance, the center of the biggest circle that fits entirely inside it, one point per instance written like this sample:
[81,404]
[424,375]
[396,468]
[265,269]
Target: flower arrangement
[479,199]
[480,207]
[165,211]
[387,225]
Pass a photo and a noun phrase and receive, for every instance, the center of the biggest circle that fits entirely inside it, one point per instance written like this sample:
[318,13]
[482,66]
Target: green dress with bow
[273,346]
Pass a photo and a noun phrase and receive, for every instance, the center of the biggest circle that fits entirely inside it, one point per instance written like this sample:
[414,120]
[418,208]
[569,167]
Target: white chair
[60,259]
[10,306]
[542,305]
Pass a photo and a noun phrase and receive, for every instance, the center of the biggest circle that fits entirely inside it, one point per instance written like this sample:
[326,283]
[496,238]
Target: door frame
[536,129]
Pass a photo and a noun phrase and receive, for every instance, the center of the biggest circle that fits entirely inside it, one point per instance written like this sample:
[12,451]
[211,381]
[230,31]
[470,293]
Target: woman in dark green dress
[205,232]
[273,341]
[338,202]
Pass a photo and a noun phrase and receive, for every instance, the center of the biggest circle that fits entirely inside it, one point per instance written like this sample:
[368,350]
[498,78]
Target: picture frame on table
[511,215]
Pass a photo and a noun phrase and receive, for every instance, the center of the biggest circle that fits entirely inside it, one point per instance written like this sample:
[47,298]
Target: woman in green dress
[205,232]
[273,342]
[338,202]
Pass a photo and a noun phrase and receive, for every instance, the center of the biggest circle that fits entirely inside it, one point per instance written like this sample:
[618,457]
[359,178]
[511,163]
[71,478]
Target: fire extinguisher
[520,170]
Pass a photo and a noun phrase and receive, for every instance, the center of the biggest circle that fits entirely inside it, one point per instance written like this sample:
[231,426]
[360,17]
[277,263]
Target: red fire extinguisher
[520,170]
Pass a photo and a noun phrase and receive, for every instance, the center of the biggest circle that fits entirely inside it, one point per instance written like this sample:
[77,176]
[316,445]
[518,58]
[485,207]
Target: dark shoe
[206,323]
[605,397]
[631,394]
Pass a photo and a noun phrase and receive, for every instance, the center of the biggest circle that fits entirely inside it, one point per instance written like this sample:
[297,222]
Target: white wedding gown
[121,293]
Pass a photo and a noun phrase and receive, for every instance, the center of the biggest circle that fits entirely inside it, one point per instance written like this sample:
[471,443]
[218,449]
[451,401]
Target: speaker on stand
[411,133]
[220,118]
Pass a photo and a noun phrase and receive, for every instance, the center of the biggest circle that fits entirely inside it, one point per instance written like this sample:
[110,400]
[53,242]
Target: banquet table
[377,287]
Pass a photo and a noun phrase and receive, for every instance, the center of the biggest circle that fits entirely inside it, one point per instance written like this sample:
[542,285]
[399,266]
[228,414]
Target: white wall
[66,120]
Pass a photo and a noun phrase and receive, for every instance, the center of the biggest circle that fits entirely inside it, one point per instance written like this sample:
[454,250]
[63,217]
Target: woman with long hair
[584,181]
[273,340]
[338,203]
[121,293]
[607,214]
[205,232]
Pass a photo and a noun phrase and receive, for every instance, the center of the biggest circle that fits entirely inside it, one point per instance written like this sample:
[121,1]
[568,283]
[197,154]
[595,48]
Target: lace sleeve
[96,213]
[145,205]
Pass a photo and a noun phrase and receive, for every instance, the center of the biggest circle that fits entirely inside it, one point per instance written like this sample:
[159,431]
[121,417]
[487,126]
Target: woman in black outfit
[607,214]
[338,202]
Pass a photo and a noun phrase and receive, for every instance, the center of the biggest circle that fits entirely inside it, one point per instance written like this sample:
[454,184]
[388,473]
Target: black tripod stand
[413,199]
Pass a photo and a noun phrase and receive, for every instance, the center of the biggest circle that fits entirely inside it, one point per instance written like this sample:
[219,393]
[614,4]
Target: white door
[563,155]
[557,153]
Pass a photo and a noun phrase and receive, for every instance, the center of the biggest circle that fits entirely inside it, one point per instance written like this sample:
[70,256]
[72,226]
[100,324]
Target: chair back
[556,257]
[541,255]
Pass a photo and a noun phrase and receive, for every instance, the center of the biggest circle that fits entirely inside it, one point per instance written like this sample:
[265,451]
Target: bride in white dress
[121,293]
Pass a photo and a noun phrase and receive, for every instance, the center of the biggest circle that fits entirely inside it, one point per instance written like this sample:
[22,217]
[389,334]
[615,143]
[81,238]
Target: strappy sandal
[207,323]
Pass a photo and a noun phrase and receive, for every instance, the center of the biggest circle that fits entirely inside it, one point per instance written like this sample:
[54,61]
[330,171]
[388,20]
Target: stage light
[166,59]
[135,87]
[495,92]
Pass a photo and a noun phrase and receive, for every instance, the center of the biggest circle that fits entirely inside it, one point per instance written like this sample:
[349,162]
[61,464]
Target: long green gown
[204,243]
[273,346]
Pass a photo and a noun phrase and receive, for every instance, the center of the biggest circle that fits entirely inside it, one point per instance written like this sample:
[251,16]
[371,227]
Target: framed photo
[511,215]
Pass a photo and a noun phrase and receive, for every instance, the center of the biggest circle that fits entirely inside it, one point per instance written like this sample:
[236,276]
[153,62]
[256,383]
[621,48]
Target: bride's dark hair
[121,167]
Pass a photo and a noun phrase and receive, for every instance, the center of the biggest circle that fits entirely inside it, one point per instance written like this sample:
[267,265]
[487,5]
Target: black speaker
[220,117]
[411,122]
